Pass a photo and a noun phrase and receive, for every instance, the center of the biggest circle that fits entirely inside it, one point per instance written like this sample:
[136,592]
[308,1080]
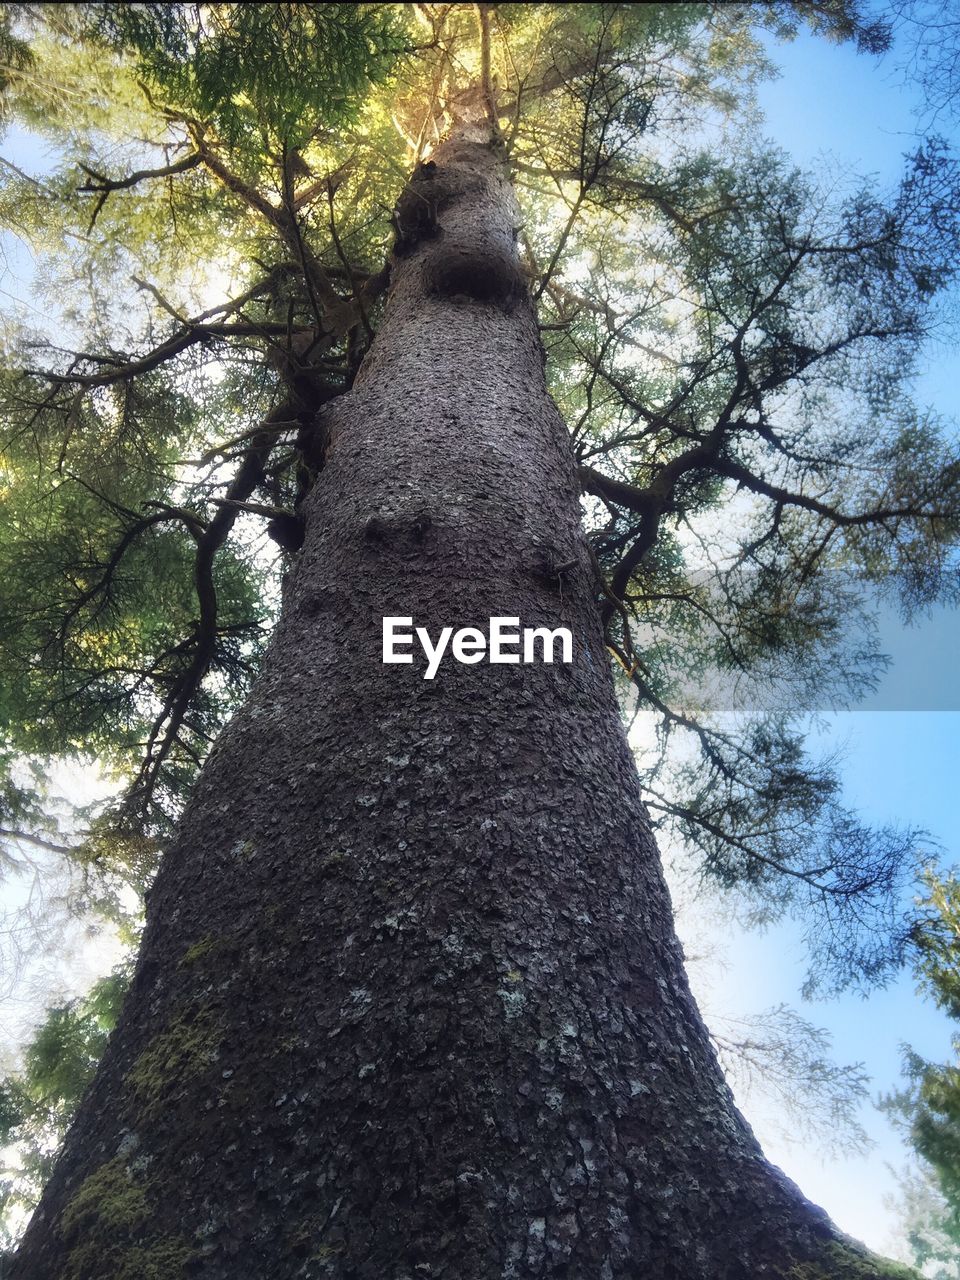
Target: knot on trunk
[415,216]
[482,276]
[287,530]
[390,525]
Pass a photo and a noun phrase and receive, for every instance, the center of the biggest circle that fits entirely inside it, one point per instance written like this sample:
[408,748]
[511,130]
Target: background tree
[37,1105]
[929,33]
[928,1107]
[718,332]
[925,1217]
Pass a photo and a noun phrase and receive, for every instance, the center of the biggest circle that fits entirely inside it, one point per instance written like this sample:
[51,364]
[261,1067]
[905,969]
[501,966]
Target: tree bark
[409,1003]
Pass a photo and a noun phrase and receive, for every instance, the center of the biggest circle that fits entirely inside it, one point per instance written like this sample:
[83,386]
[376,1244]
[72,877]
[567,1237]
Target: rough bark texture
[410,1004]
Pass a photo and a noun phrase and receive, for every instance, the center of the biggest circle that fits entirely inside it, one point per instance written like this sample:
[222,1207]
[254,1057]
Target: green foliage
[273,73]
[836,19]
[96,594]
[926,1224]
[928,1107]
[938,941]
[38,1102]
[22,786]
[108,638]
[15,54]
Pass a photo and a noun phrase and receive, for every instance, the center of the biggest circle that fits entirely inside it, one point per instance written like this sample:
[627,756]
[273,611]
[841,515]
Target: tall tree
[409,999]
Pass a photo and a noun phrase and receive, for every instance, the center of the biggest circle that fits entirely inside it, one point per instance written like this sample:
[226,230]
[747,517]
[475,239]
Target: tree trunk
[410,1003]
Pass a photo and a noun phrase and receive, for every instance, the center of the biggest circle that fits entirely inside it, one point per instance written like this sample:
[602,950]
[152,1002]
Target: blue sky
[902,746]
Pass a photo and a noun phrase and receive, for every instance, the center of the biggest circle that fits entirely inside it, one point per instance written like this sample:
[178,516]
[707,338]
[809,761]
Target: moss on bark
[187,1048]
[841,1260]
[105,1228]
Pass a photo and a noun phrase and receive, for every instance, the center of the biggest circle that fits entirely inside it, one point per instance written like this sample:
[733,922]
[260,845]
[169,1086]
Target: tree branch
[102,186]
[28,837]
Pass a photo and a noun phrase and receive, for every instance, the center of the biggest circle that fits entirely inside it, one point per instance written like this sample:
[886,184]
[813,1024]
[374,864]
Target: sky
[902,746]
